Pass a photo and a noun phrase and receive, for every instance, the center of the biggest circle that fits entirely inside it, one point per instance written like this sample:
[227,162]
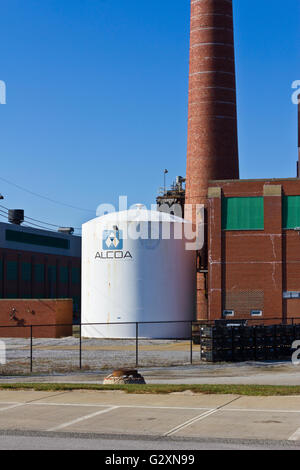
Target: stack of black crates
[222,343]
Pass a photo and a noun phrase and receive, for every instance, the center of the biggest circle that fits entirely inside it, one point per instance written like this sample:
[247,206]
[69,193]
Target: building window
[290,212]
[12,270]
[291,295]
[26,272]
[228,313]
[243,213]
[256,313]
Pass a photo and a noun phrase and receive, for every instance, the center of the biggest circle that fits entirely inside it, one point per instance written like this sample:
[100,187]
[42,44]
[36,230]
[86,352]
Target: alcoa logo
[112,240]
[112,246]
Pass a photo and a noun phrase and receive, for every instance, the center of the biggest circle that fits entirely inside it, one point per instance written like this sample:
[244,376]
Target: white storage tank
[136,268]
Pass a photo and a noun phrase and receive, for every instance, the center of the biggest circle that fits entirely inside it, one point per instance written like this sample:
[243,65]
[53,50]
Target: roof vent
[16,216]
[66,230]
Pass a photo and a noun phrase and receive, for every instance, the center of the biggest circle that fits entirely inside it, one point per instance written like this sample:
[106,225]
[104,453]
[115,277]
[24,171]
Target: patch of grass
[248,390]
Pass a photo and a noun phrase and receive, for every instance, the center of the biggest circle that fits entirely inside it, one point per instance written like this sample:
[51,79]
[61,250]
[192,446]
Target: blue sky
[97,98]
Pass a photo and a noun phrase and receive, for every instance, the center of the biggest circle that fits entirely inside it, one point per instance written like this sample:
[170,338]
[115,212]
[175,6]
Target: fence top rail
[189,322]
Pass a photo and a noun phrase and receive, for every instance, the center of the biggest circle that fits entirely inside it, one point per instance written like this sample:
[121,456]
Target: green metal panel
[26,272]
[291,212]
[12,271]
[75,276]
[34,239]
[11,295]
[39,273]
[243,213]
[52,273]
[76,303]
[63,274]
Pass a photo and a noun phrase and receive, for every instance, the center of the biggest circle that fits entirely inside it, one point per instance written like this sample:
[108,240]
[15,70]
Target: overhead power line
[34,220]
[45,197]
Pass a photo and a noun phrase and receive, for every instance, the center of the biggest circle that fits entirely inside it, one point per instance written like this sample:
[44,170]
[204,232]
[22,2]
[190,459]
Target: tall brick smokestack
[212,120]
[298,165]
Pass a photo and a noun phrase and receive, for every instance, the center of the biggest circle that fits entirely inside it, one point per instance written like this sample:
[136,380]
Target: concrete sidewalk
[269,373]
[178,415]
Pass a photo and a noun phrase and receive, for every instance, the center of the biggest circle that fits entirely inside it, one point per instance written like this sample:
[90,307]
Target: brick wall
[25,274]
[251,269]
[17,315]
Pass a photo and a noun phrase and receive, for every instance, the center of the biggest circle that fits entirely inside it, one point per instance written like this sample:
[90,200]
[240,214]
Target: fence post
[200,335]
[191,343]
[31,359]
[136,344]
[80,347]
[232,344]
[255,344]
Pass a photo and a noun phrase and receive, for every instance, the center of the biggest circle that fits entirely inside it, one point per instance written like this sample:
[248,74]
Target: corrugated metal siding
[243,213]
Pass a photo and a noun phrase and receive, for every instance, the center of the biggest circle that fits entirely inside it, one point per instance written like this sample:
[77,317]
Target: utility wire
[45,197]
[36,220]
[39,226]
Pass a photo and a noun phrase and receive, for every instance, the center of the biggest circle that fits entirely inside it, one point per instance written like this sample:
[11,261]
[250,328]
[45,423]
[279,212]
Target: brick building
[254,249]
[249,266]
[39,264]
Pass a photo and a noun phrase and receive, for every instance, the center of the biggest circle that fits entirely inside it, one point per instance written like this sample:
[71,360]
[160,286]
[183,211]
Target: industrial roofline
[254,179]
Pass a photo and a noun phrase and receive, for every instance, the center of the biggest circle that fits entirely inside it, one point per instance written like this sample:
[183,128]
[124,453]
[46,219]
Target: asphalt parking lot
[184,416]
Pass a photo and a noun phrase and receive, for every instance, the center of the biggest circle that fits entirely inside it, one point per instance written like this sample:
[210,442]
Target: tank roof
[139,215]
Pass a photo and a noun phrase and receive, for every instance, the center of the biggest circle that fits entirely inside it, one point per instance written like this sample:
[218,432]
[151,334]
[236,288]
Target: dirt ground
[159,361]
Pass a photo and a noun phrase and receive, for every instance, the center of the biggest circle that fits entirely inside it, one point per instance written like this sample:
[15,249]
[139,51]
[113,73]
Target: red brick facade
[16,317]
[252,269]
[25,274]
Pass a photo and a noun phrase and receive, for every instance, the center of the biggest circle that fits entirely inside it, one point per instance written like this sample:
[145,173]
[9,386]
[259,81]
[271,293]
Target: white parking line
[122,406]
[295,436]
[199,418]
[16,405]
[10,402]
[259,410]
[83,418]
[150,407]
[190,421]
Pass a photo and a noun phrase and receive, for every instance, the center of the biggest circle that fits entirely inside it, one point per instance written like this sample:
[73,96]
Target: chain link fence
[27,349]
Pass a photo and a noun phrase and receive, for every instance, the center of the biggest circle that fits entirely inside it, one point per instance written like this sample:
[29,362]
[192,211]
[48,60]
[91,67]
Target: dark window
[34,239]
[256,313]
